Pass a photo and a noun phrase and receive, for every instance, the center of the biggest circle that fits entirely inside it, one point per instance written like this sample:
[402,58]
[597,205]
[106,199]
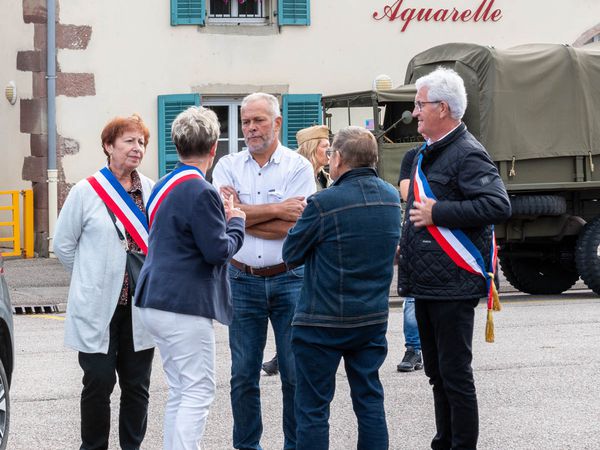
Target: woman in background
[313,143]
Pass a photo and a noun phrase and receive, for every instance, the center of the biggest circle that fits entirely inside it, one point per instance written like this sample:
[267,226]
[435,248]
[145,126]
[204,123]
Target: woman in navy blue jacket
[183,285]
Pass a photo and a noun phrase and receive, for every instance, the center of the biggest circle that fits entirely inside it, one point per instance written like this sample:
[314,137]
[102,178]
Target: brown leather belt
[268,271]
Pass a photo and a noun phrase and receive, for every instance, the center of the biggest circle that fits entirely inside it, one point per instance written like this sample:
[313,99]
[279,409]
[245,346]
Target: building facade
[156,58]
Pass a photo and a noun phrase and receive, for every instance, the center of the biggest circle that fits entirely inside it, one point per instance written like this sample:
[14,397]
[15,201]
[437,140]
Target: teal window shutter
[188,12]
[168,108]
[299,111]
[293,12]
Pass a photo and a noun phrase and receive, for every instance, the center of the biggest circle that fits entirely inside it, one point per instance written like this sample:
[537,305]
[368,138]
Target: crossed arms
[269,220]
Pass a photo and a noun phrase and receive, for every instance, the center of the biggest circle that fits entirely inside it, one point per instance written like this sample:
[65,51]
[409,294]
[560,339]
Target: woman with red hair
[102,216]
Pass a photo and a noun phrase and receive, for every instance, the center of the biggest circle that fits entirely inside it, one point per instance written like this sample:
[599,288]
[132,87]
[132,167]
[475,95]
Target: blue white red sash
[160,191]
[114,195]
[455,243]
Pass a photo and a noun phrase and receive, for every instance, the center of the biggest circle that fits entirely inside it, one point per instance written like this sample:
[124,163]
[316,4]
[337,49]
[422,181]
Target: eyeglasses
[330,152]
[419,104]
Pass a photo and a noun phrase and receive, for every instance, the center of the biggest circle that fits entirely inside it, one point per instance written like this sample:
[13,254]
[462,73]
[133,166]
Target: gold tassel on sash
[489,327]
[496,306]
[493,305]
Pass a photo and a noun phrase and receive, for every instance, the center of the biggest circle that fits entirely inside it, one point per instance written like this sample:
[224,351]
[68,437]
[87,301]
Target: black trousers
[99,378]
[446,330]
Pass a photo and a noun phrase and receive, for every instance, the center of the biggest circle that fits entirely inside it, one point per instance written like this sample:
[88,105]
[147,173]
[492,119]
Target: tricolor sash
[116,198]
[160,191]
[460,248]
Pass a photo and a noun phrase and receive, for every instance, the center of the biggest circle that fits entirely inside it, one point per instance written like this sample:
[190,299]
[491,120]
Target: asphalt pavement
[41,285]
[37,284]
[537,384]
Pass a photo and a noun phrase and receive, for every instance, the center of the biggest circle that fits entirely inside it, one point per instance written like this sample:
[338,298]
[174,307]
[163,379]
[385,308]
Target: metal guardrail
[17,221]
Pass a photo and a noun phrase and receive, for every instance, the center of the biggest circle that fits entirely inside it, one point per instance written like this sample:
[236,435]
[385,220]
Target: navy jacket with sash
[471,197]
[190,244]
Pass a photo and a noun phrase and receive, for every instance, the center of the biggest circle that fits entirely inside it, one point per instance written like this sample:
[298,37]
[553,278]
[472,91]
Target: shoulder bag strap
[114,221]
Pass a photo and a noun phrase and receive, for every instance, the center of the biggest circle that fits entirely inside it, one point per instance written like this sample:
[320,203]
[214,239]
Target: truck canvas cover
[526,102]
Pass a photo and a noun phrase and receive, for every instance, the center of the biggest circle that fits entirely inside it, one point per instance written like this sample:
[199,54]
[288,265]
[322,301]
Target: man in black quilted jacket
[455,195]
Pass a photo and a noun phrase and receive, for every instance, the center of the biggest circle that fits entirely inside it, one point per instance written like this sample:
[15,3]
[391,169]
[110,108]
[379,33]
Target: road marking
[47,316]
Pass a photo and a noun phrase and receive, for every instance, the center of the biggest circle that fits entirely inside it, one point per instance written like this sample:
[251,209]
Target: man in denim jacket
[346,237]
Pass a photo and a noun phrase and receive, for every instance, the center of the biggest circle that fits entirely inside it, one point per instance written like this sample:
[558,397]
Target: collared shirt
[287,174]
[135,192]
[429,141]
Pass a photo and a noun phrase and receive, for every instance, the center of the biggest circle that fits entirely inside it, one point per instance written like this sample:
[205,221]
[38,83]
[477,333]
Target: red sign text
[485,12]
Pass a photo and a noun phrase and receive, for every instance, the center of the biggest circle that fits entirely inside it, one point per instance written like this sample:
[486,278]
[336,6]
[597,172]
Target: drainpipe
[51,88]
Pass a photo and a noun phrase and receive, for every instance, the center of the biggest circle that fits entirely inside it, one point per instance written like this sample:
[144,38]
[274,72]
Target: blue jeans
[318,351]
[255,301]
[411,330]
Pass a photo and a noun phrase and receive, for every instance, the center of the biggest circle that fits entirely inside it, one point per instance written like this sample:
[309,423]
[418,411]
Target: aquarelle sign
[405,13]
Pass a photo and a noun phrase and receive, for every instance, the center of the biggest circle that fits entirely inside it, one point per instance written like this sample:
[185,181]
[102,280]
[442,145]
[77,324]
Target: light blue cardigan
[87,244]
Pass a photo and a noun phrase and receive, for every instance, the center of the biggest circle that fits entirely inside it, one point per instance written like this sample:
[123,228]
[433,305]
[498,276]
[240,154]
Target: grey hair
[270,99]
[357,147]
[446,85]
[194,131]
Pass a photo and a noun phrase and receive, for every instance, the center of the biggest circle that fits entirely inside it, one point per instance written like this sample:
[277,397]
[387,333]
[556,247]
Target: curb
[39,309]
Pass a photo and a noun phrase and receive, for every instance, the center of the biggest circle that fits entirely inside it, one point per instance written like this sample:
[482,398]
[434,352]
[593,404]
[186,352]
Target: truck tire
[538,277]
[508,271]
[587,257]
[538,205]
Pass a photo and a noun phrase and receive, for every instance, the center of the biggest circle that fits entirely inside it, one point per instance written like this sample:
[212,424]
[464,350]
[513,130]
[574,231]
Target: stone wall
[33,111]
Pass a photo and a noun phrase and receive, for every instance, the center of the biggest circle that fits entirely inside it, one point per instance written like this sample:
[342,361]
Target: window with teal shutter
[299,111]
[293,12]
[188,12]
[168,108]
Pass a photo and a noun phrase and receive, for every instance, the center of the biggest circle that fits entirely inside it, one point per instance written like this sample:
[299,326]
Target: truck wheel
[538,205]
[497,275]
[532,276]
[507,270]
[587,255]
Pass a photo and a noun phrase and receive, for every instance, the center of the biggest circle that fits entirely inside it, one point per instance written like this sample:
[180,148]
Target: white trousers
[187,349]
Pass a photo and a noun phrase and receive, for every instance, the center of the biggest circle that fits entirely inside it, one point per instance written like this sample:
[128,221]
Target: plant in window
[241,2]
[237,9]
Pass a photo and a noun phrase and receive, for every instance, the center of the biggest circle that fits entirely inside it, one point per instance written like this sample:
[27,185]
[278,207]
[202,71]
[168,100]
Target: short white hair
[446,85]
[270,99]
[194,131]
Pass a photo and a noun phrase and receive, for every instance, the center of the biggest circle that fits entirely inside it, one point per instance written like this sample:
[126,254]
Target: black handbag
[135,260]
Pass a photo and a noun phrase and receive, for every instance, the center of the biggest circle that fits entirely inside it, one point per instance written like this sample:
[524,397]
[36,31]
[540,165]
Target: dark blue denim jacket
[346,237]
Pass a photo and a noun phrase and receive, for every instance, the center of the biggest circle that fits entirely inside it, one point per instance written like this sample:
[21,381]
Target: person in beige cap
[313,143]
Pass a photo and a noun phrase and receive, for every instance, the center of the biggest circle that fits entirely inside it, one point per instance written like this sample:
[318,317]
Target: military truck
[536,109]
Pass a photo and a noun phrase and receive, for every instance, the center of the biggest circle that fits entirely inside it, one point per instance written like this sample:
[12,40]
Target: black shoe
[412,361]
[271,367]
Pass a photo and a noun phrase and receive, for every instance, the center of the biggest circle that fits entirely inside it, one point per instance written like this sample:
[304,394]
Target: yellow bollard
[28,223]
[14,224]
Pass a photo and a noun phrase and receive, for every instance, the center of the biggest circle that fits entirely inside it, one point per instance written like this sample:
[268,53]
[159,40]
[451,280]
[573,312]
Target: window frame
[266,8]
[233,103]
[288,12]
